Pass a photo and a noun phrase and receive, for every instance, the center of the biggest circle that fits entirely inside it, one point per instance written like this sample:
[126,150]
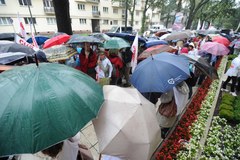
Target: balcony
[49,10]
[93,1]
[96,13]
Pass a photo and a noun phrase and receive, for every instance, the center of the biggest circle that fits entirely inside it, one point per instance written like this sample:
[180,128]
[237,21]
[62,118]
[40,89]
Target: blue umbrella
[154,43]
[160,72]
[40,39]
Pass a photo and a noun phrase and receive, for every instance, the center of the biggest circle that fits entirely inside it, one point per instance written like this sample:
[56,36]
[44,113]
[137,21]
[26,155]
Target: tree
[62,16]
[194,6]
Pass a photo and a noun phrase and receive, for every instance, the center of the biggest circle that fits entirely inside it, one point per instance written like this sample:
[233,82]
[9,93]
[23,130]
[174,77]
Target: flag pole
[31,18]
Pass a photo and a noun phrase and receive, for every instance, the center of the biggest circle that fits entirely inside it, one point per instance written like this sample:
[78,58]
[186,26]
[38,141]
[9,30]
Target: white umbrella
[127,126]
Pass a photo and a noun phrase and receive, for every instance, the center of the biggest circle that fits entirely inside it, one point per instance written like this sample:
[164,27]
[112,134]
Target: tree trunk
[179,6]
[167,21]
[144,16]
[132,13]
[62,16]
[189,22]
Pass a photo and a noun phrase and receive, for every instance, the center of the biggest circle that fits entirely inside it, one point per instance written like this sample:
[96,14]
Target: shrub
[226,114]
[232,56]
[236,115]
[224,106]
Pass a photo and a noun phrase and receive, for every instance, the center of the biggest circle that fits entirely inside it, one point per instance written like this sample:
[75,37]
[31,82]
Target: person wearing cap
[192,51]
[104,69]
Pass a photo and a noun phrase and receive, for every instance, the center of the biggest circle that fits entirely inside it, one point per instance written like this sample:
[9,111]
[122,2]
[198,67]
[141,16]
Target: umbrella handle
[36,59]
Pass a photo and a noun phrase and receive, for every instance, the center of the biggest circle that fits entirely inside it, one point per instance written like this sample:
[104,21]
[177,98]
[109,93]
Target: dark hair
[53,150]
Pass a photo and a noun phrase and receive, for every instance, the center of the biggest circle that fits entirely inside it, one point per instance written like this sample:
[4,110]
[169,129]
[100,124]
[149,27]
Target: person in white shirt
[232,73]
[104,68]
[192,51]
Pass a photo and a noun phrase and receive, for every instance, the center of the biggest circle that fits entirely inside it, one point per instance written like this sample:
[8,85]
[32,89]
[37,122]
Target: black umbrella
[14,47]
[76,38]
[203,66]
[7,36]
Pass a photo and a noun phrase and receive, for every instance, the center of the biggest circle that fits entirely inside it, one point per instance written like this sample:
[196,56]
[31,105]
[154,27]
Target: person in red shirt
[117,66]
[88,61]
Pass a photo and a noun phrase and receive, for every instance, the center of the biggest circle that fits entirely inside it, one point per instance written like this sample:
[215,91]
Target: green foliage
[226,114]
[236,116]
[232,56]
[228,99]
[226,107]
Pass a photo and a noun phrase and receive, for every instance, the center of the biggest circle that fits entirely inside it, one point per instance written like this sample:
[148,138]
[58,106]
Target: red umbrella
[222,40]
[156,50]
[60,39]
[215,48]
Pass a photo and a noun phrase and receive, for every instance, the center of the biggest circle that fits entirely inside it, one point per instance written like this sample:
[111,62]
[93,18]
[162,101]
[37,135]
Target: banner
[134,50]
[178,23]
[22,41]
[34,42]
[21,27]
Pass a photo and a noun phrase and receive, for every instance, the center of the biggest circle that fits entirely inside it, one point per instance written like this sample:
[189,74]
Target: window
[136,22]
[51,20]
[123,11]
[115,10]
[95,8]
[105,9]
[137,13]
[2,2]
[115,22]
[123,22]
[28,20]
[47,3]
[81,7]
[105,21]
[25,2]
[83,21]
[5,21]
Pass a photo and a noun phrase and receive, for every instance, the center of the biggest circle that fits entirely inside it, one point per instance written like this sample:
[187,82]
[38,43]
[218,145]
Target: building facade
[86,15]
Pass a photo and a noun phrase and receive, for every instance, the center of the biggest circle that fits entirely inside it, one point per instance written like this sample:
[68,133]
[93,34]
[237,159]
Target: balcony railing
[96,13]
[93,1]
[49,10]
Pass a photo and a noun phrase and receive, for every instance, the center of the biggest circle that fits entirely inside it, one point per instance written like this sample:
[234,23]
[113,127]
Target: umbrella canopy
[151,43]
[101,36]
[221,40]
[76,38]
[156,50]
[14,47]
[57,40]
[127,127]
[160,72]
[203,66]
[7,36]
[41,106]
[177,35]
[9,57]
[116,43]
[5,42]
[59,52]
[215,48]
[40,39]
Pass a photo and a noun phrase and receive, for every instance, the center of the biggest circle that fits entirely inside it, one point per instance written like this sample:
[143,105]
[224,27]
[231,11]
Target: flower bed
[222,141]
[188,129]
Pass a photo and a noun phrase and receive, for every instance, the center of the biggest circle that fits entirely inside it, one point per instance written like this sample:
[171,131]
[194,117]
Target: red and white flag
[22,41]
[34,42]
[134,50]
[22,30]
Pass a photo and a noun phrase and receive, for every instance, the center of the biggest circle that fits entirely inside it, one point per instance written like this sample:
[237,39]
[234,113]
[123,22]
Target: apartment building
[86,15]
